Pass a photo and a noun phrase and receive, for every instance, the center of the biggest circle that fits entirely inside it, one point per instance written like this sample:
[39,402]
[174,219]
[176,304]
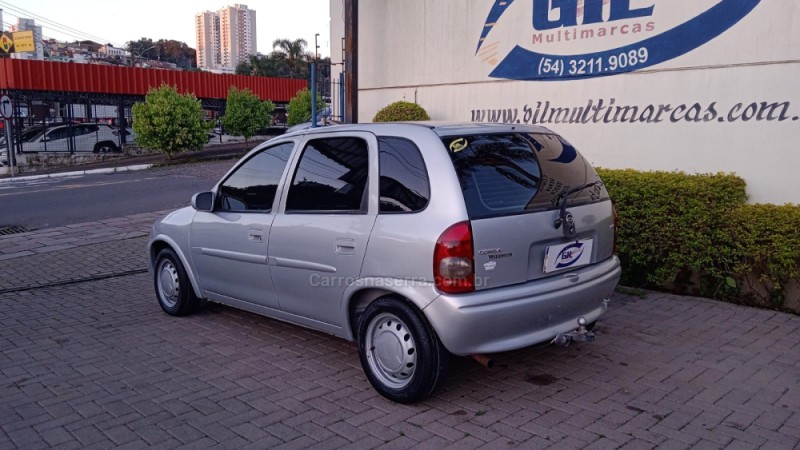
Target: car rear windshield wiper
[569,229]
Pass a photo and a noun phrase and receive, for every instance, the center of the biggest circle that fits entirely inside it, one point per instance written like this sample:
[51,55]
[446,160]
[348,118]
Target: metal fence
[69,128]
[337,99]
[70,137]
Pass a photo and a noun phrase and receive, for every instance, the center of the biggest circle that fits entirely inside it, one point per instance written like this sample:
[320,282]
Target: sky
[118,22]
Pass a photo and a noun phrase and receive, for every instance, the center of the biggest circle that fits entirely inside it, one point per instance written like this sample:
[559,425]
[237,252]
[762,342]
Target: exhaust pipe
[483,360]
[563,340]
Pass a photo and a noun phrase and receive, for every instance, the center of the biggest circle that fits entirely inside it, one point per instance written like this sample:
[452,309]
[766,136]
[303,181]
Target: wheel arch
[114,146]
[359,295]
[162,242]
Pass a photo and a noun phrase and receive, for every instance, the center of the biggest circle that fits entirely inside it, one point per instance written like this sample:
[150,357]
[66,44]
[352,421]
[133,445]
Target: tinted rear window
[515,173]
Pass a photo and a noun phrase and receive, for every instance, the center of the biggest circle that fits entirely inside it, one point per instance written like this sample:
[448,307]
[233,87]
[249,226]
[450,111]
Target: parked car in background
[26,134]
[415,240]
[88,137]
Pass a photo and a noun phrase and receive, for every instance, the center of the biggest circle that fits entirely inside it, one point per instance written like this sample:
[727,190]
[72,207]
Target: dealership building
[696,86]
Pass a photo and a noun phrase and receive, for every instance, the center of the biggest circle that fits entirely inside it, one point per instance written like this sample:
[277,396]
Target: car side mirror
[203,201]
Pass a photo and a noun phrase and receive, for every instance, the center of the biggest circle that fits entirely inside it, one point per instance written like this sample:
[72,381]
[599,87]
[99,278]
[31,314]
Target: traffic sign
[23,41]
[6,107]
[6,43]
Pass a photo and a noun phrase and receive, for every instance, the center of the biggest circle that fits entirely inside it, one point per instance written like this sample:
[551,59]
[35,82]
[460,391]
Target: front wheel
[399,351]
[173,289]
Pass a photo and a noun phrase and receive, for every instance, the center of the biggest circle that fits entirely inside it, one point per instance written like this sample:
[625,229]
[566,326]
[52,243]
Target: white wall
[426,50]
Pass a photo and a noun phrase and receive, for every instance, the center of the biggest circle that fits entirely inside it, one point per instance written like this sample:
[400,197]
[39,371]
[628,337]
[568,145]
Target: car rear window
[517,173]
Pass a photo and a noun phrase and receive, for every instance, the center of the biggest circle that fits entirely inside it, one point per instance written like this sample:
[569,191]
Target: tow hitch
[581,334]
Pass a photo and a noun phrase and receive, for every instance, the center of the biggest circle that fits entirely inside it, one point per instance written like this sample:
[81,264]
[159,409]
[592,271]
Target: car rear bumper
[513,317]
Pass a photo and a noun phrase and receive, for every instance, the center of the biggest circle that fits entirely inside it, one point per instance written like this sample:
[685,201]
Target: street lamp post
[141,53]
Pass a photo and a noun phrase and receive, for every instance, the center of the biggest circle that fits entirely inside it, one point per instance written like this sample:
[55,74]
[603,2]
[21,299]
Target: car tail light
[453,260]
[616,227]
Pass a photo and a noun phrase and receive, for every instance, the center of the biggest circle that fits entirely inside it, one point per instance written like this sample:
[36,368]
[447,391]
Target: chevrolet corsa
[415,240]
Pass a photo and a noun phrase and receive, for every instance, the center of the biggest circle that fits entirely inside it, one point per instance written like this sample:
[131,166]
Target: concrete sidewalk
[87,359]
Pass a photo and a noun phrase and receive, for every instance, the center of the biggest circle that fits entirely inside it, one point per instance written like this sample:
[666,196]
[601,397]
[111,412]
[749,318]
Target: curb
[78,173]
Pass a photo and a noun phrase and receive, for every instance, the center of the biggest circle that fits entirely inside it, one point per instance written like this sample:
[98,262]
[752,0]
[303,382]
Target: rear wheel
[173,289]
[106,147]
[399,351]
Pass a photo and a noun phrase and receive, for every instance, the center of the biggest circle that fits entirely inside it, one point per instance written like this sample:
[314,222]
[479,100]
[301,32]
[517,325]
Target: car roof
[440,128]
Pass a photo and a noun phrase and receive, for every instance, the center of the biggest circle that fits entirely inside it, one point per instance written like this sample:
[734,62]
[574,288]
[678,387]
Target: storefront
[696,86]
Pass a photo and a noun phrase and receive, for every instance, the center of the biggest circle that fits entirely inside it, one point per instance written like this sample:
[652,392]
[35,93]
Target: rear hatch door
[513,184]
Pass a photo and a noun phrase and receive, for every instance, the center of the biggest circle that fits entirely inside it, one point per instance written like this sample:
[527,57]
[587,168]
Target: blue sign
[524,64]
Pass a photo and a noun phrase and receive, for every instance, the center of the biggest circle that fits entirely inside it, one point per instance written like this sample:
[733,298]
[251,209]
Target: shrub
[401,112]
[670,222]
[695,234]
[245,113]
[299,108]
[169,122]
[766,244]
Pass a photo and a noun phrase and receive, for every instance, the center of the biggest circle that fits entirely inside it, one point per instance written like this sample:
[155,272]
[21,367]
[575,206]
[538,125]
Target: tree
[143,48]
[295,53]
[169,121]
[244,68]
[273,65]
[245,113]
[167,50]
[299,109]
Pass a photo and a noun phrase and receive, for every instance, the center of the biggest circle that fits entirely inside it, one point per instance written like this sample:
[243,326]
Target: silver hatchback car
[415,240]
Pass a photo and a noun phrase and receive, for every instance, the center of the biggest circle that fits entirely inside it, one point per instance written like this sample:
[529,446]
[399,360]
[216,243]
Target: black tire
[173,289]
[106,147]
[413,362]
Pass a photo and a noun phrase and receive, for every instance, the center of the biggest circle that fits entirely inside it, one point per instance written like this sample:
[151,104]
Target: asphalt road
[55,202]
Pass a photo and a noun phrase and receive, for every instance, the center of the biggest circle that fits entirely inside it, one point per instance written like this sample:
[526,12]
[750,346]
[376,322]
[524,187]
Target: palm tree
[295,52]
[258,66]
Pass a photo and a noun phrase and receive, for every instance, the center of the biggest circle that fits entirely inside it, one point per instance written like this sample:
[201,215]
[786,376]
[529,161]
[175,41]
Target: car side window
[405,187]
[253,185]
[80,130]
[58,133]
[331,177]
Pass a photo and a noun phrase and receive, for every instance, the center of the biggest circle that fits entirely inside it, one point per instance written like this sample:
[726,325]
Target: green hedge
[694,234]
[766,242]
[401,112]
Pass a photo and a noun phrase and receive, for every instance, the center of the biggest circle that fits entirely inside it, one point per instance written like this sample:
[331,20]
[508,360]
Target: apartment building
[206,26]
[225,37]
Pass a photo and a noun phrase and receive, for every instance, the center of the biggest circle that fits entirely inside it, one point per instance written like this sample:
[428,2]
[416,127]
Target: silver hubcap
[168,283]
[391,351]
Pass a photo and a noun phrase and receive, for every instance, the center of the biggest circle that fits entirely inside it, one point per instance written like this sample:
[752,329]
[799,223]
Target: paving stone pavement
[87,359]
[97,364]
[50,240]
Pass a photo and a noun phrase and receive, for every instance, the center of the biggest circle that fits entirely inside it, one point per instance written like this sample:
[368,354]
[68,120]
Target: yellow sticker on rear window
[458,145]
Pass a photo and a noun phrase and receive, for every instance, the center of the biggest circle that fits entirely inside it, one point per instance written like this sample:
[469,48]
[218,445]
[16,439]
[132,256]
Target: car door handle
[345,246]
[256,235]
